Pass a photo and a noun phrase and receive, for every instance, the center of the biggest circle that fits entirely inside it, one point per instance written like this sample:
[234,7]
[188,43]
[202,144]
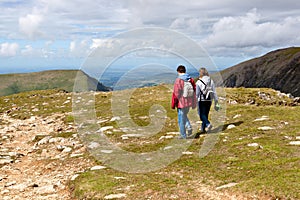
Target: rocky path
[35,162]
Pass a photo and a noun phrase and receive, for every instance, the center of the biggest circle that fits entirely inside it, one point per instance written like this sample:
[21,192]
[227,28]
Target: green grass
[55,79]
[271,169]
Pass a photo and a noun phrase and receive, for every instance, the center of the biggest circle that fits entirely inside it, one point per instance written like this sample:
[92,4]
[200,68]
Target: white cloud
[9,49]
[28,51]
[224,28]
[193,25]
[251,30]
[29,25]
[79,48]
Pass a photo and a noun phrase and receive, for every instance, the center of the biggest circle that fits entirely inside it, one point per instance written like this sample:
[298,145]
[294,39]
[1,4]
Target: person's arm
[194,104]
[197,90]
[176,94]
[216,98]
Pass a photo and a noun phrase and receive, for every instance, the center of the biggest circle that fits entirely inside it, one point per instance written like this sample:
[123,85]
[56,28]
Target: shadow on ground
[217,130]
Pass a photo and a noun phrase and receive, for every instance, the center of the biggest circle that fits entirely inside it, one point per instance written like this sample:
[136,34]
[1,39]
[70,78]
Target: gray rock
[74,177]
[5,192]
[106,151]
[19,187]
[294,143]
[93,145]
[263,118]
[226,186]
[105,128]
[230,126]
[48,189]
[115,196]
[76,155]
[55,140]
[67,150]
[265,128]
[98,167]
[6,161]
[10,184]
[253,145]
[45,140]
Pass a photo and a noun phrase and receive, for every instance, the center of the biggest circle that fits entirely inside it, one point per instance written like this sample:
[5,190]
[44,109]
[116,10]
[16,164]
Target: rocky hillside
[278,69]
[55,79]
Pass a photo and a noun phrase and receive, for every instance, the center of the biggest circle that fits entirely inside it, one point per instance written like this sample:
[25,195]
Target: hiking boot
[201,130]
[208,128]
[190,132]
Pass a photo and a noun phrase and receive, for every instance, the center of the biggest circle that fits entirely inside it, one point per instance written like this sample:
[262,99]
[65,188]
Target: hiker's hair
[204,71]
[181,69]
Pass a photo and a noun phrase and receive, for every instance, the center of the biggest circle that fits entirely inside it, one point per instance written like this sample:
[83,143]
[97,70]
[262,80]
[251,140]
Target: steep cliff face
[278,69]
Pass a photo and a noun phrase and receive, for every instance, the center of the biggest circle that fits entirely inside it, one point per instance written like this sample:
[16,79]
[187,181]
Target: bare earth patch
[38,169]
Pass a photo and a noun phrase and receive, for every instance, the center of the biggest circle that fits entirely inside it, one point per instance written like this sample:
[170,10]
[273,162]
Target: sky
[40,35]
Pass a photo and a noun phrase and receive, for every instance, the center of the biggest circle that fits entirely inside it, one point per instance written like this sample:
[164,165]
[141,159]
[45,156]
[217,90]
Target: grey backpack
[188,89]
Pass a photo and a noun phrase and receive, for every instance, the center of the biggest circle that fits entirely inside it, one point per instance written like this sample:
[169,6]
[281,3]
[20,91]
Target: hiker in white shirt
[205,94]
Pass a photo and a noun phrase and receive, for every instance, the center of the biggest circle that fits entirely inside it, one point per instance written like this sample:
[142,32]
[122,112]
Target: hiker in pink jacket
[182,101]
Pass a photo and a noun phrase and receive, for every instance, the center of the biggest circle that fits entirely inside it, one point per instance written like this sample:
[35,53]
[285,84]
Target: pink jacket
[178,101]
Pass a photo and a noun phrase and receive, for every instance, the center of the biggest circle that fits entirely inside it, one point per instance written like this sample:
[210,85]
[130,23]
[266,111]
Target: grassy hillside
[55,79]
[278,69]
[262,164]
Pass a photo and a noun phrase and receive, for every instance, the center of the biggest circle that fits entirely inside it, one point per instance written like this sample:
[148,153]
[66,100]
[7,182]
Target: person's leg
[207,109]
[208,126]
[202,114]
[182,121]
[188,125]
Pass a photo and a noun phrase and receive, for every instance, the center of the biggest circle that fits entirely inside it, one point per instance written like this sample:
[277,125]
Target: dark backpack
[208,92]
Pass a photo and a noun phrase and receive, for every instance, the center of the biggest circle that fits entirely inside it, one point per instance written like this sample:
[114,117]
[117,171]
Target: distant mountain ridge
[53,79]
[279,69]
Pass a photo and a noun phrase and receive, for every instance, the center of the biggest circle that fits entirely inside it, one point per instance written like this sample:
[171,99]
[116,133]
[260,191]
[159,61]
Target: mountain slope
[54,79]
[278,69]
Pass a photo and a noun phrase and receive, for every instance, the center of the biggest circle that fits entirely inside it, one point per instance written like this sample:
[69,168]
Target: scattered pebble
[98,167]
[253,145]
[120,178]
[187,153]
[101,121]
[93,145]
[48,189]
[107,151]
[105,128]
[263,118]
[226,186]
[288,137]
[67,150]
[10,183]
[294,143]
[168,147]
[115,196]
[74,177]
[132,135]
[173,133]
[237,116]
[265,128]
[166,137]
[76,155]
[230,126]
[115,118]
